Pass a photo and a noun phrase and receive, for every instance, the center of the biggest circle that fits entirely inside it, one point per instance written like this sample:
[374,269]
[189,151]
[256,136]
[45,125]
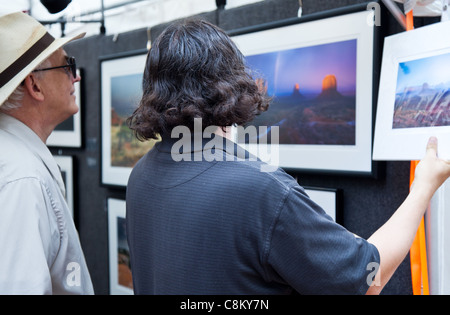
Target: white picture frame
[438,240]
[317,30]
[422,53]
[69,133]
[121,90]
[120,281]
[66,166]
[327,199]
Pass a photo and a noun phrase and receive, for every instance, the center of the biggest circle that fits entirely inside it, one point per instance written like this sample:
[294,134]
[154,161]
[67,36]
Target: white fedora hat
[24,44]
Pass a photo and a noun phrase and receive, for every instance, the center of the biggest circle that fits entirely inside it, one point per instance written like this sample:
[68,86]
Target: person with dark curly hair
[202,216]
[210,82]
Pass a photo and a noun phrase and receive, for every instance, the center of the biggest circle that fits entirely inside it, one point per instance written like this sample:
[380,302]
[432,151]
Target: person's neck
[32,121]
[225,132]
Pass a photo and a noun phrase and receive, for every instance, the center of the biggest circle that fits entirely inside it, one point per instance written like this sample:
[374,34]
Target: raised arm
[394,239]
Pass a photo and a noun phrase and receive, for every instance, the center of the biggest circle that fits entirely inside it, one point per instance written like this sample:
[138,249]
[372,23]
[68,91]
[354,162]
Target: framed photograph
[327,198]
[121,91]
[120,279]
[65,164]
[438,240]
[414,95]
[319,70]
[68,133]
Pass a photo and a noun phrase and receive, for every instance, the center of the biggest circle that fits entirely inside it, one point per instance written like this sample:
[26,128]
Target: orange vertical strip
[416,271]
[423,258]
[418,253]
[409,21]
[414,253]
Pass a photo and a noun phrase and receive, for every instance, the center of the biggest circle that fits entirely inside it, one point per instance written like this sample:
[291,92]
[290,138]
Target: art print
[319,71]
[121,281]
[121,93]
[315,104]
[414,95]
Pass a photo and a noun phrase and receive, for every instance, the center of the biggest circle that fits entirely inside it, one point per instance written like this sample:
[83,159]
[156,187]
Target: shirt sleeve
[27,239]
[315,255]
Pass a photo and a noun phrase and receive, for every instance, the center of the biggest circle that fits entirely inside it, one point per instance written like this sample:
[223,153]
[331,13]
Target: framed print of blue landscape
[414,94]
[316,105]
[423,93]
[319,72]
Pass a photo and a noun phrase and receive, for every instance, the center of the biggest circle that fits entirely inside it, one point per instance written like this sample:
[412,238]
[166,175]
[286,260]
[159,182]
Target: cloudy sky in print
[308,66]
[431,70]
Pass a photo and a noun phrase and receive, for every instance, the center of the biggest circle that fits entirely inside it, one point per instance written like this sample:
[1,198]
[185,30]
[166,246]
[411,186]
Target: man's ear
[34,88]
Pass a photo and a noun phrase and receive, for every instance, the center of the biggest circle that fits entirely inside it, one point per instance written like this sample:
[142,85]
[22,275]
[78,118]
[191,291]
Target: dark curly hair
[194,70]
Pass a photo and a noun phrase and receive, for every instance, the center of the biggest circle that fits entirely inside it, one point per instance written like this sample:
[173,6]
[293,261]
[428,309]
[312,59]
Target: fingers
[432,146]
[432,149]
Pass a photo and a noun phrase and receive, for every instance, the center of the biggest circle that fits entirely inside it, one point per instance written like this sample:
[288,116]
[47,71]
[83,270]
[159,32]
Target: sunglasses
[71,64]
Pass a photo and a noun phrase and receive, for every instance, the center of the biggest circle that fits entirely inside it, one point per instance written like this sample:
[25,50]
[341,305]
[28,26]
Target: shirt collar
[199,143]
[32,141]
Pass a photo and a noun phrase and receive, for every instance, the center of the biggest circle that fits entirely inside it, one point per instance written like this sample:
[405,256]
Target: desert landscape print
[313,90]
[423,93]
[123,253]
[126,150]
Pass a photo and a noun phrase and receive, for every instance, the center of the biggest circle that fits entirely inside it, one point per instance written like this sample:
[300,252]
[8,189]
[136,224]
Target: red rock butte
[329,83]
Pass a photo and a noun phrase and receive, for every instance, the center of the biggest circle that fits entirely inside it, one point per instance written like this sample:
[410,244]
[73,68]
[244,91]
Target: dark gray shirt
[211,225]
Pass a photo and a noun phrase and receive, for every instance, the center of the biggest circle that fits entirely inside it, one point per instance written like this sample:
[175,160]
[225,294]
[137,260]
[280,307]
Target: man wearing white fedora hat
[39,245]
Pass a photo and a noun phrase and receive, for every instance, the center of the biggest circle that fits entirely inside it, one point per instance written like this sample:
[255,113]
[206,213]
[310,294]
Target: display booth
[335,162]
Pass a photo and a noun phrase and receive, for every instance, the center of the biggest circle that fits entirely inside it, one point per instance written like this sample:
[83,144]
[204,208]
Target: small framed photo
[328,199]
[120,278]
[121,91]
[319,70]
[66,166]
[414,94]
[69,133]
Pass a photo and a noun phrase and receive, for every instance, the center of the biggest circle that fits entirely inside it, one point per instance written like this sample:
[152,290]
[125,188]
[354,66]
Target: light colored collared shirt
[40,251]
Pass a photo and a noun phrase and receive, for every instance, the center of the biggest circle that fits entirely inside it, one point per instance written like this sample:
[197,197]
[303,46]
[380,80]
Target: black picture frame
[120,278]
[69,133]
[329,199]
[352,156]
[120,150]
[67,167]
